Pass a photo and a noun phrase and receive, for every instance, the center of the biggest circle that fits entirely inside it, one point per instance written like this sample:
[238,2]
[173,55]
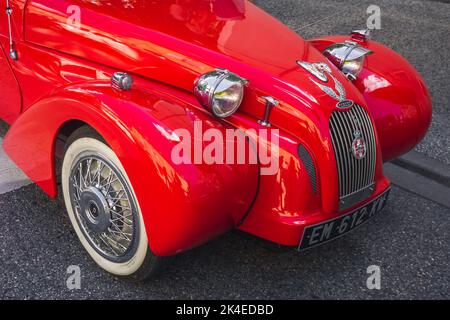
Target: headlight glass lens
[220,91]
[353,67]
[227,97]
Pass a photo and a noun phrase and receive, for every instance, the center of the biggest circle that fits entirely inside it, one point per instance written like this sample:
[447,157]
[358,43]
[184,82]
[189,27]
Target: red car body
[62,78]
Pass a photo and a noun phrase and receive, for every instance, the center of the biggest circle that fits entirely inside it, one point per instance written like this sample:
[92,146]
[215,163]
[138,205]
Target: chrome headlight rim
[349,51]
[207,85]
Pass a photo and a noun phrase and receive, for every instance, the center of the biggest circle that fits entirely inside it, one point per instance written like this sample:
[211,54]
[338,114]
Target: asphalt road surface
[409,240]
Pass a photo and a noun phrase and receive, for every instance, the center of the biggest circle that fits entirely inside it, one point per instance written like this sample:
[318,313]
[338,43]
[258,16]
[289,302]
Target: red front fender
[183,205]
[396,95]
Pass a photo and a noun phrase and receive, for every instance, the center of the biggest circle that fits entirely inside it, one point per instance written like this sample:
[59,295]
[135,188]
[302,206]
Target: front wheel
[103,208]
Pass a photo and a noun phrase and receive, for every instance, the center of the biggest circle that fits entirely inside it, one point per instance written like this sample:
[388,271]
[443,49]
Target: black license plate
[332,229]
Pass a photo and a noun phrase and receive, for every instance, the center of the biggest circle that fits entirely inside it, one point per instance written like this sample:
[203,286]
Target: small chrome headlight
[347,56]
[220,91]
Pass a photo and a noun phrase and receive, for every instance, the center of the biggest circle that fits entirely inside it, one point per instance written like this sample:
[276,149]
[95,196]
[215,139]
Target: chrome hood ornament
[316,69]
[322,71]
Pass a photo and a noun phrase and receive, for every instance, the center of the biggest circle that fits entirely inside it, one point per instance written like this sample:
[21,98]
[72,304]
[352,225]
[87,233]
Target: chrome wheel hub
[95,210]
[104,208]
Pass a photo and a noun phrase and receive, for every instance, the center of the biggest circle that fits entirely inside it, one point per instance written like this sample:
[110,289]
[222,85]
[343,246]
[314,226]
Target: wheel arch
[64,132]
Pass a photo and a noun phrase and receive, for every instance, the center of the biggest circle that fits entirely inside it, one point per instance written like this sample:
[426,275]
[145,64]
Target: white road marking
[11,177]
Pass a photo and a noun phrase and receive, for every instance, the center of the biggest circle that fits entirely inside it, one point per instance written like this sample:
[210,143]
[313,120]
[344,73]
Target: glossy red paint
[64,74]
[396,94]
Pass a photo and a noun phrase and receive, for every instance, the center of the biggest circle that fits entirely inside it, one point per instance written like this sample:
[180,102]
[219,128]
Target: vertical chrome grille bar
[362,162]
[348,137]
[371,142]
[338,153]
[368,139]
[341,156]
[346,163]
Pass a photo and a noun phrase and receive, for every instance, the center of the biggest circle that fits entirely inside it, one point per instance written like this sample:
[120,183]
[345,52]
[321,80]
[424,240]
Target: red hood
[174,41]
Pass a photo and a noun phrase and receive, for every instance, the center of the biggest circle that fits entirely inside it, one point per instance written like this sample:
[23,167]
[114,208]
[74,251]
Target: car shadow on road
[233,266]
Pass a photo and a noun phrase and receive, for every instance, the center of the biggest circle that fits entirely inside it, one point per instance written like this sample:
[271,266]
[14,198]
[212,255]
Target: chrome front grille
[356,176]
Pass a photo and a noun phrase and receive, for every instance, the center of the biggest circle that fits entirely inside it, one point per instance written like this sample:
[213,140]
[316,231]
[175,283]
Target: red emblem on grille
[359,146]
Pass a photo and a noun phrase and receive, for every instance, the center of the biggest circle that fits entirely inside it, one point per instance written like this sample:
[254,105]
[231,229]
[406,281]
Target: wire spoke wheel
[104,208]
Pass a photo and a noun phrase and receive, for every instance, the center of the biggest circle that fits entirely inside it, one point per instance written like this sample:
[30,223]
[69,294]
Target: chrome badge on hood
[321,71]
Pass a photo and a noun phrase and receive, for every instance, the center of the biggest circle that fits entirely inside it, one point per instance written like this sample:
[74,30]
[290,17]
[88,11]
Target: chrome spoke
[119,200]
[87,178]
[123,219]
[110,184]
[97,174]
[114,242]
[108,244]
[108,179]
[115,198]
[122,234]
[80,172]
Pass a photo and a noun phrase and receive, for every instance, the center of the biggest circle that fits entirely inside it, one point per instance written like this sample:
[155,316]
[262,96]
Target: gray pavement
[11,177]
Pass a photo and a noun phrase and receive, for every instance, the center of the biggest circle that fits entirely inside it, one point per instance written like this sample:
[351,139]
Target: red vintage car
[99,94]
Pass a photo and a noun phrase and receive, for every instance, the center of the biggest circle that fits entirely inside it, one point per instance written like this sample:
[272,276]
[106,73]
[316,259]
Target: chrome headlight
[347,56]
[220,91]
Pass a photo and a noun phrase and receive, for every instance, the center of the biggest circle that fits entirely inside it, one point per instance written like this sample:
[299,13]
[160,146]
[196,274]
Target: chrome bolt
[121,81]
